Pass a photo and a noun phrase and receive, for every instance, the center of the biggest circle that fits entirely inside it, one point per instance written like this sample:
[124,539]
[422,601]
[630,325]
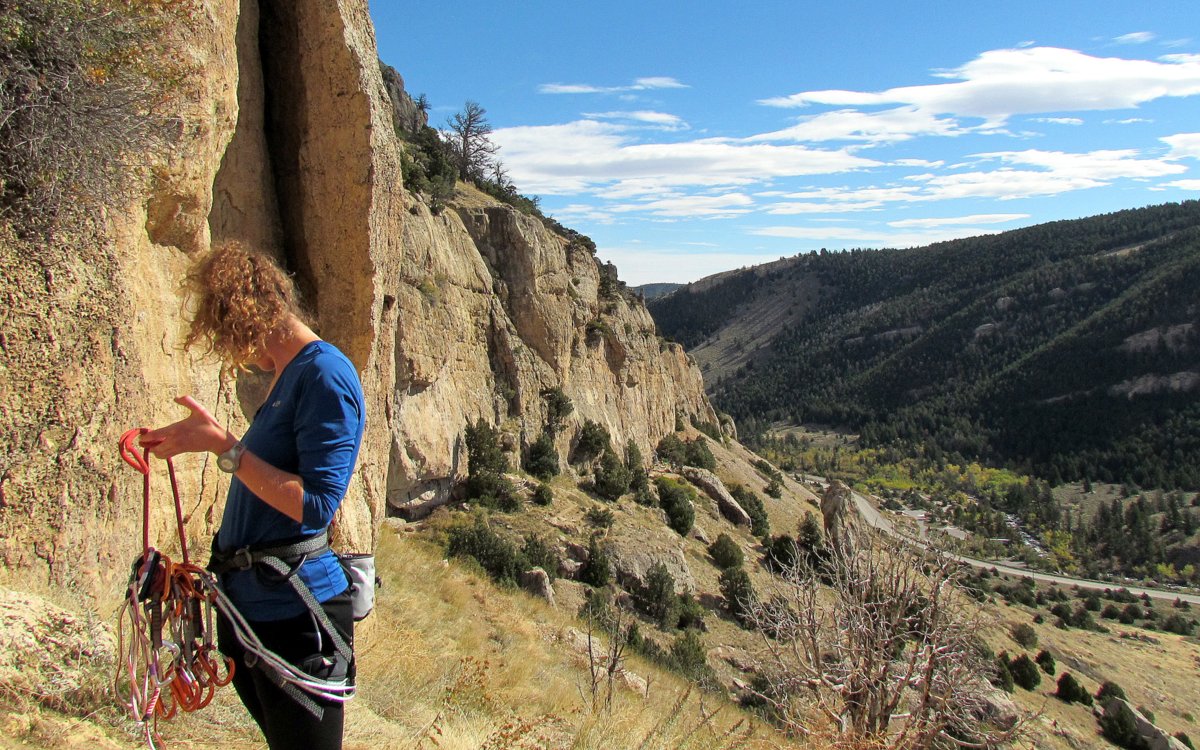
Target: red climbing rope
[169,661]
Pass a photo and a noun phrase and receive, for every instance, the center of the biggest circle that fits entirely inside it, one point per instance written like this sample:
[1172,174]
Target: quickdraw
[167,661]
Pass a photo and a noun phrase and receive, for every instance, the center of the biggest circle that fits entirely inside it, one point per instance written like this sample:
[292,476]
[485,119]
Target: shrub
[1070,691]
[697,453]
[542,461]
[597,571]
[541,555]
[1045,660]
[1110,612]
[738,593]
[543,495]
[774,489]
[593,440]
[760,524]
[782,553]
[558,408]
[1062,612]
[1131,613]
[599,517]
[1025,635]
[486,466]
[657,599]
[1182,737]
[495,554]
[689,657]
[671,450]
[1120,728]
[82,91]
[691,613]
[612,478]
[1024,672]
[1179,625]
[639,480]
[677,500]
[1003,678]
[726,553]
[1108,690]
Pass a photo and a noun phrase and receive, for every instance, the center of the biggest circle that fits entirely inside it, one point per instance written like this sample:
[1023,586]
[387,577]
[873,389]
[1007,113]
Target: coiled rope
[167,660]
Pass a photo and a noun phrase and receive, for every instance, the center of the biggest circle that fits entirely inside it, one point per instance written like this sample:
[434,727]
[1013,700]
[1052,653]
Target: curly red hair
[243,296]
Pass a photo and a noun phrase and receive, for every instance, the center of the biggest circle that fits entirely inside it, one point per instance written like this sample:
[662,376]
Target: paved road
[881,522]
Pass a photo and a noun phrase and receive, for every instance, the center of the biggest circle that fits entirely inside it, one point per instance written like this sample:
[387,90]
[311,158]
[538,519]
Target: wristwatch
[230,460]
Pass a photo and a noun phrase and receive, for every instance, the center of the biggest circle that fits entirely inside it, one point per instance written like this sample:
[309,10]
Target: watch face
[225,463]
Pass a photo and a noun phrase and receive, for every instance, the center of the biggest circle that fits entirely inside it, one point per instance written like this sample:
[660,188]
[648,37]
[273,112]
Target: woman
[290,471]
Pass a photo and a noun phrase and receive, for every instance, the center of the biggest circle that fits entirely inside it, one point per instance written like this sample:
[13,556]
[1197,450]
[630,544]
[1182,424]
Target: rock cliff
[288,142]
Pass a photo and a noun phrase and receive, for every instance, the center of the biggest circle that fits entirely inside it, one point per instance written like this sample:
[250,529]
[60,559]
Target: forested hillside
[1070,350]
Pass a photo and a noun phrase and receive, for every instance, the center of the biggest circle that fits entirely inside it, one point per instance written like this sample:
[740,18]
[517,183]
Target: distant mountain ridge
[1069,349]
[654,291]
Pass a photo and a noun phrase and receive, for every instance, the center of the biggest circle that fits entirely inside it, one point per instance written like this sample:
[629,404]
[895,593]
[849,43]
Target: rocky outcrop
[712,486]
[289,144]
[1118,713]
[407,116]
[839,515]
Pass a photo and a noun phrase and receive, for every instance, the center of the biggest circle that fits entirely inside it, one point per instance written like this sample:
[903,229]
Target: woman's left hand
[196,433]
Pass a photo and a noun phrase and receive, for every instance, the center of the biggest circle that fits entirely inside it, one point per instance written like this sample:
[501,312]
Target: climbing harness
[167,658]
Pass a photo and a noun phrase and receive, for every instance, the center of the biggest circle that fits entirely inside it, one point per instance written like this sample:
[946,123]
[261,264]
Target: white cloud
[640,84]
[586,155]
[1137,37]
[958,221]
[1183,145]
[662,119]
[1184,184]
[709,206]
[1180,58]
[892,125]
[1059,120]
[1100,165]
[1128,121]
[865,237]
[787,209]
[1001,83]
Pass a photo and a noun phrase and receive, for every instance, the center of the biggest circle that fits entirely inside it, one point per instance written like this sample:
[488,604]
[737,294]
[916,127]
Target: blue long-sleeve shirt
[310,425]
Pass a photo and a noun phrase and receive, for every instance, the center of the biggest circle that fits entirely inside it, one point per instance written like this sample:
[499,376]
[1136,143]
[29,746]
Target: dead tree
[468,138]
[877,644]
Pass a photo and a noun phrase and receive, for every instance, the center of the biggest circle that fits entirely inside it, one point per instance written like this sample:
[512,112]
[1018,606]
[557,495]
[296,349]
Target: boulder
[632,559]
[712,486]
[536,582]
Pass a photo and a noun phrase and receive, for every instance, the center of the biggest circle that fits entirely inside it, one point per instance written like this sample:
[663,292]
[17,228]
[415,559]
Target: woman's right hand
[198,432]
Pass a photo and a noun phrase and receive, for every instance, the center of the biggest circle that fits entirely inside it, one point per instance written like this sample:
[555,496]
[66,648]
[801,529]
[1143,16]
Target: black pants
[285,723]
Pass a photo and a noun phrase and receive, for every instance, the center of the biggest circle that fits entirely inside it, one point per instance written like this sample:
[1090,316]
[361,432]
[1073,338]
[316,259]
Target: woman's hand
[197,433]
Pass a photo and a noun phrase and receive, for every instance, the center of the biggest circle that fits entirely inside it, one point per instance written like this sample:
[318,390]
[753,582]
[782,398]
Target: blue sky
[691,138]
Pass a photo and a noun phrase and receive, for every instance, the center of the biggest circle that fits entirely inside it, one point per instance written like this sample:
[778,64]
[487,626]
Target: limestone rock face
[715,488]
[288,143]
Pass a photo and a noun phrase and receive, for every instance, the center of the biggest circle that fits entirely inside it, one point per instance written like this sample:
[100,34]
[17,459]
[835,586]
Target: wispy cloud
[705,206]
[1001,83]
[1136,37]
[1059,120]
[1184,184]
[958,221]
[888,126]
[1128,121]
[640,84]
[661,119]
[869,237]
